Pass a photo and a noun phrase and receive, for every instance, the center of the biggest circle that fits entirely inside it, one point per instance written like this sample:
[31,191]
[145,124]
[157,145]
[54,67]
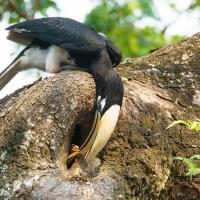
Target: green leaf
[197,157]
[178,122]
[193,169]
[192,125]
[147,8]
[188,161]
[195,4]
[118,20]
[193,172]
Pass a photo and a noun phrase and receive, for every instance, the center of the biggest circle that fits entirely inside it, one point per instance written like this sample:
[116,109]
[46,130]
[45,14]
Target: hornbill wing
[63,32]
[114,53]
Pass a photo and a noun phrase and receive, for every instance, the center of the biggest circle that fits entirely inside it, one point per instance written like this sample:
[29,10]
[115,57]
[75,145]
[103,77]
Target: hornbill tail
[9,73]
[11,70]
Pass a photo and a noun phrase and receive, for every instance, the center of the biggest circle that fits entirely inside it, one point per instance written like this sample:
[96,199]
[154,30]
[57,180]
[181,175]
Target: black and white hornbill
[56,43]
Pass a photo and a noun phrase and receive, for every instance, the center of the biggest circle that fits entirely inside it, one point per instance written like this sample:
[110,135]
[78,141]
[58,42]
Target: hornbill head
[110,91]
[108,108]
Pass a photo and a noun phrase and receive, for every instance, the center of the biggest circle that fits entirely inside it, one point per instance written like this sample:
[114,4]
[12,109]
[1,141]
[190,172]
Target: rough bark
[38,122]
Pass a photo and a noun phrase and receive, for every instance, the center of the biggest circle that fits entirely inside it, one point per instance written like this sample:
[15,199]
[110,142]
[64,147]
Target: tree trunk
[39,122]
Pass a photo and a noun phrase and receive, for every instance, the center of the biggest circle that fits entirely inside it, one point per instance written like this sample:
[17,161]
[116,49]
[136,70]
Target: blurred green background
[122,21]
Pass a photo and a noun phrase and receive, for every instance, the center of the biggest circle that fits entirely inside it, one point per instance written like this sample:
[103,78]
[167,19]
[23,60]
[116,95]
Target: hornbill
[54,44]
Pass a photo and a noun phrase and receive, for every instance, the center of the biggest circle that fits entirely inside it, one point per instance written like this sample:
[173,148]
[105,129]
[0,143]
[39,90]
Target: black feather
[69,34]
[63,32]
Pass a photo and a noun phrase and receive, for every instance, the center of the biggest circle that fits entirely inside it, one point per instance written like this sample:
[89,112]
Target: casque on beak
[99,135]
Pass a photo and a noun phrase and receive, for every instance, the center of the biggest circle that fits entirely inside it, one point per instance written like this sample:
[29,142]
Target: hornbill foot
[72,67]
[74,152]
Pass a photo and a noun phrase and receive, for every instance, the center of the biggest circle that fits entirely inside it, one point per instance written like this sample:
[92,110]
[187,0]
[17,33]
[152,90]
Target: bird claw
[73,149]
[73,154]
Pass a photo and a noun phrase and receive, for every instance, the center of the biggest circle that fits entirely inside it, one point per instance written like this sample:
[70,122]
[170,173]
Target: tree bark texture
[38,123]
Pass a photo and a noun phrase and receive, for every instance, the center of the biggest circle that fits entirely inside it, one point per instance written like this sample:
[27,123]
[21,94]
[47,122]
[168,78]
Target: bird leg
[68,67]
[72,67]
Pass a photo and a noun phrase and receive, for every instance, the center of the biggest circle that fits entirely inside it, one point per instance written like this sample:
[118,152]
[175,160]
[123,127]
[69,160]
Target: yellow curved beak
[99,135]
